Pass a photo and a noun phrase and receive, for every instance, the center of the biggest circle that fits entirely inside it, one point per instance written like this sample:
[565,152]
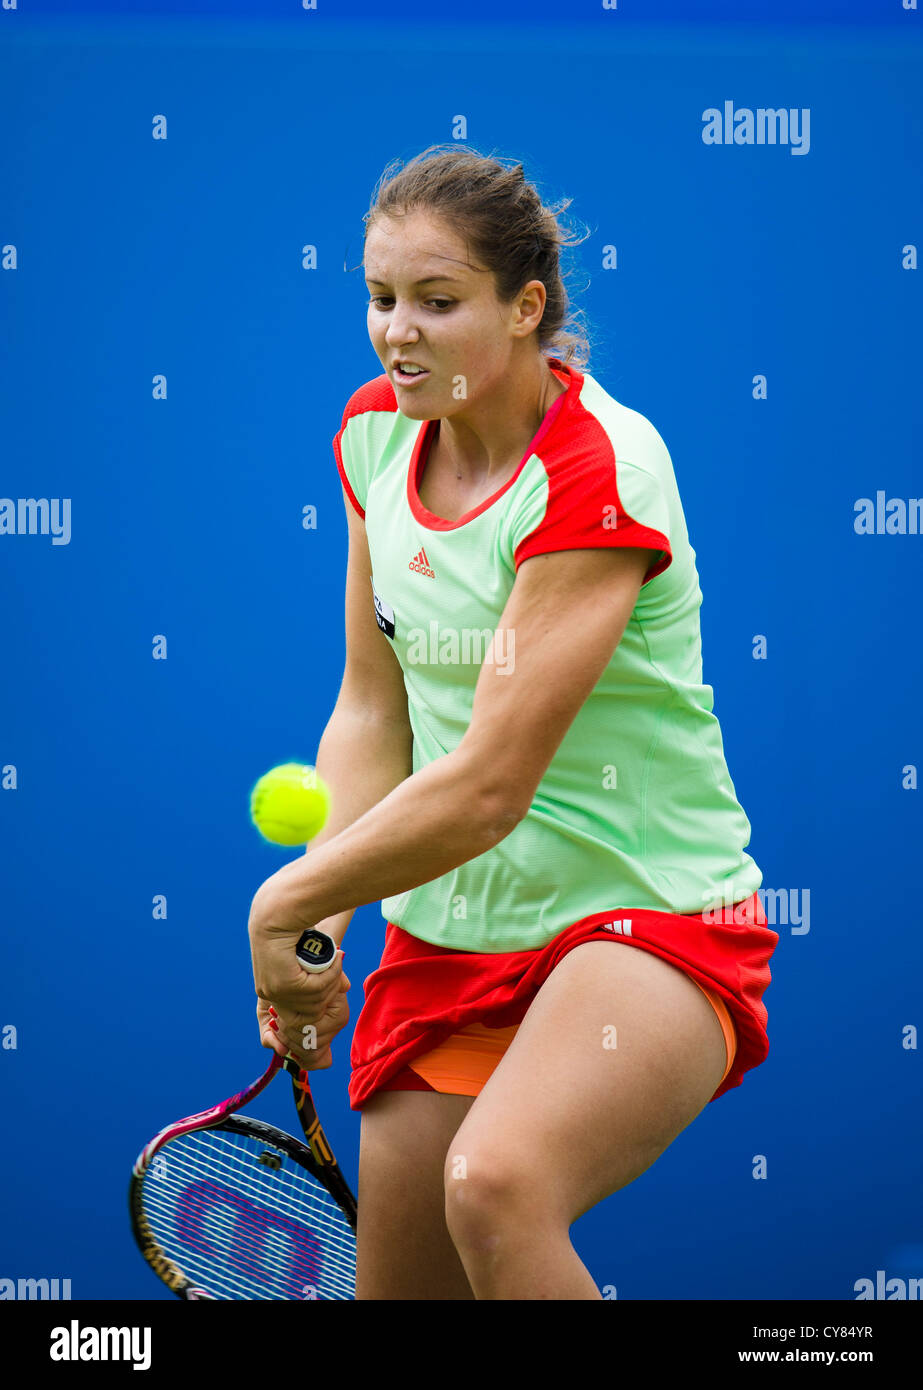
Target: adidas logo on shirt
[421,564]
[622,927]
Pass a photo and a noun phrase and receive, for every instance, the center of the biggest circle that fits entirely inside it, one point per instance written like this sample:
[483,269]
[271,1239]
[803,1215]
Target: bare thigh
[404,1247]
[618,1053]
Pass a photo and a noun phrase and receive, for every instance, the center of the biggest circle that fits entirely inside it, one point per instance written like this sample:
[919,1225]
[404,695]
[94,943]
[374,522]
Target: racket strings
[244,1229]
[233,1228]
[227,1243]
[223,1165]
[245,1246]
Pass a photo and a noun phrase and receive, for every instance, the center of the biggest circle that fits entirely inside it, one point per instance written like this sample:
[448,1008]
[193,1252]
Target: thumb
[343,983]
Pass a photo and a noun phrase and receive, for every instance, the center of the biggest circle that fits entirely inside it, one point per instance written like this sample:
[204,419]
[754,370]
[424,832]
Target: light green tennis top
[637,808]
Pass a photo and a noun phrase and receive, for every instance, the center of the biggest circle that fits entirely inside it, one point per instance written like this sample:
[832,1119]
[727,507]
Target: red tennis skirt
[422,993]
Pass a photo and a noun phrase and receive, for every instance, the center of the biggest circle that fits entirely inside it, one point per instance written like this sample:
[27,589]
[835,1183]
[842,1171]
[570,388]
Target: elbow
[500,822]
[494,801]
[499,811]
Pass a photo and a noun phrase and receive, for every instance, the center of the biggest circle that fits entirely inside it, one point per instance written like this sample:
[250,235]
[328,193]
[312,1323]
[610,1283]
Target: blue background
[138,257]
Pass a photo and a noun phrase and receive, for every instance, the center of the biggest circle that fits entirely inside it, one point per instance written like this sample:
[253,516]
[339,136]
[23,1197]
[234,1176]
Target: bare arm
[367,747]
[464,803]
[362,757]
[365,752]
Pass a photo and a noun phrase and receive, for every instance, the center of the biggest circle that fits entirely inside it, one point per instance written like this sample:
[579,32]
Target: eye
[441,304]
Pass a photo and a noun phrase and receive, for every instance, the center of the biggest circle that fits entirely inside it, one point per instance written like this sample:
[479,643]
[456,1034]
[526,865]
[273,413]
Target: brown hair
[501,217]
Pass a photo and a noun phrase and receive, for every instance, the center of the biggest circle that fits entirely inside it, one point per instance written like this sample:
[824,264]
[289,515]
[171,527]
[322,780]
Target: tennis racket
[224,1207]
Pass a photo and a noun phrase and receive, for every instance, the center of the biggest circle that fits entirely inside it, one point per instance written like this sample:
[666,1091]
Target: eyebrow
[430,280]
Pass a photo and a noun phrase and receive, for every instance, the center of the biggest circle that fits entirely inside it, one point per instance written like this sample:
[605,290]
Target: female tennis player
[525,769]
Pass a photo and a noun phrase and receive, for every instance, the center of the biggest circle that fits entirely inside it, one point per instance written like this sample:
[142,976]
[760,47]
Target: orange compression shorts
[463,1064]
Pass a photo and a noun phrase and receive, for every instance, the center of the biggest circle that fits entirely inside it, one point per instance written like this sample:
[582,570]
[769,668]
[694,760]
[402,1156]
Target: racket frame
[316,1156]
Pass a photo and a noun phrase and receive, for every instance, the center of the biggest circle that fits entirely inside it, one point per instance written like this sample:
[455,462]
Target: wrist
[282,906]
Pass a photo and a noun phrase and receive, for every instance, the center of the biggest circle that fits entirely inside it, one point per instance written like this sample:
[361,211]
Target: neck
[483,443]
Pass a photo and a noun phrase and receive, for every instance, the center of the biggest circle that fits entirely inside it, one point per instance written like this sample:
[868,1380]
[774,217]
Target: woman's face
[453,326]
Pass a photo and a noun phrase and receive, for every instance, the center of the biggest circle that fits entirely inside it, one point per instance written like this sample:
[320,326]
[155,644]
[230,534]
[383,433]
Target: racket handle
[316,951]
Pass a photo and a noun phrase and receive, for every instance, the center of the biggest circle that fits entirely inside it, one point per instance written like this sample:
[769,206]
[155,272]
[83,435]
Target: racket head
[241,1210]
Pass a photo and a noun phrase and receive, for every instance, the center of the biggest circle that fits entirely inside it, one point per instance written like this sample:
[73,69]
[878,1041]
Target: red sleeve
[591,500]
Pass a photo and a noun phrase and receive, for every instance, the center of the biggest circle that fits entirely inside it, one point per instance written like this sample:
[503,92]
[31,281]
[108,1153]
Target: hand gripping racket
[224,1207]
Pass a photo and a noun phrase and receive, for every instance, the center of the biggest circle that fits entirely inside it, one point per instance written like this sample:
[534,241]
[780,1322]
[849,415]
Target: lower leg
[511,1243]
[530,1261]
[404,1251]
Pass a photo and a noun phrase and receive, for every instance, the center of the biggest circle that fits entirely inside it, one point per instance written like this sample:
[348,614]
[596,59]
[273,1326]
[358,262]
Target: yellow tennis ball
[290,804]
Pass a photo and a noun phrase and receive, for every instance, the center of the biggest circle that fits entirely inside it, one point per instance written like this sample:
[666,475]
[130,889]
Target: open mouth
[407,378]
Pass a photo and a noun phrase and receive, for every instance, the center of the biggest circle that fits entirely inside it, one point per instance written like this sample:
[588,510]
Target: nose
[401,328]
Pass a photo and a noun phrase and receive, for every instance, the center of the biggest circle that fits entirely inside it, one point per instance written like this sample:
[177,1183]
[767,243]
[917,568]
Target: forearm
[432,822]
[362,758]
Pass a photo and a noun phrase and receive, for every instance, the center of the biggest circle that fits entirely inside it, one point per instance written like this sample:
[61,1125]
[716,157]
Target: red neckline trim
[423,515]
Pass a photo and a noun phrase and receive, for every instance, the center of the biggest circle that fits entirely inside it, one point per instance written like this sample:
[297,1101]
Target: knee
[489,1192]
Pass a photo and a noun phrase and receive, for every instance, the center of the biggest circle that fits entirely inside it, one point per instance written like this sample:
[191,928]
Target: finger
[312,1039]
[308,1059]
[303,1039]
[318,1061]
[307,994]
[271,1039]
[296,1023]
[310,1044]
[332,1018]
[292,1031]
[308,1010]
